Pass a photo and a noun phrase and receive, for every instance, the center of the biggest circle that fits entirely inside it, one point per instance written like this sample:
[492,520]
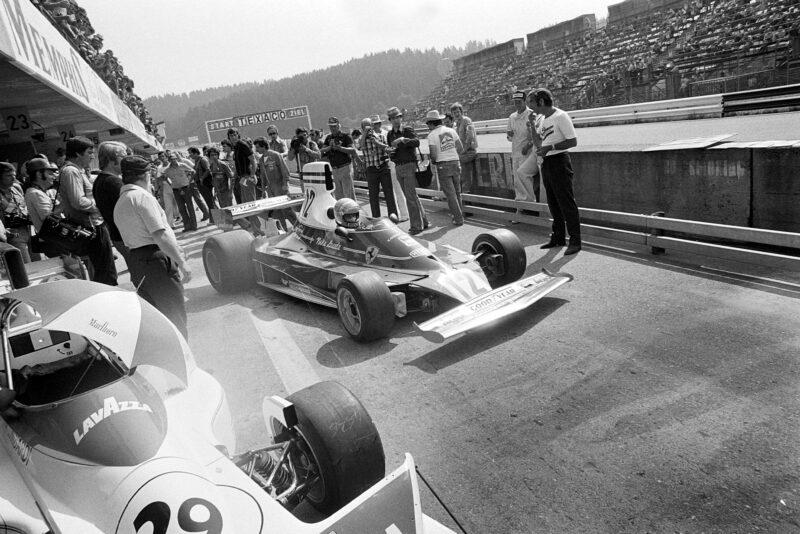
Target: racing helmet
[346,211]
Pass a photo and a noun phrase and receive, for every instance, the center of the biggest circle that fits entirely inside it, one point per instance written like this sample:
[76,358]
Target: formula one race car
[372,271]
[107,426]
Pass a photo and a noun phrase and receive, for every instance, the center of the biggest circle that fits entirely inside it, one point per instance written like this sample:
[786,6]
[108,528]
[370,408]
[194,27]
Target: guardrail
[755,246]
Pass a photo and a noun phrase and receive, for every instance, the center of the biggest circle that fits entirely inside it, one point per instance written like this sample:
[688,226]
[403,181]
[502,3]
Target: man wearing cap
[445,146]
[338,149]
[399,196]
[157,265]
[79,207]
[373,145]
[521,144]
[403,152]
[557,134]
[38,198]
[107,186]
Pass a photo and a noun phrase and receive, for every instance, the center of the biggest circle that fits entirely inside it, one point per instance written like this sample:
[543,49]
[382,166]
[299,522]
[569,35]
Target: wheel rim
[213,267]
[348,311]
[490,261]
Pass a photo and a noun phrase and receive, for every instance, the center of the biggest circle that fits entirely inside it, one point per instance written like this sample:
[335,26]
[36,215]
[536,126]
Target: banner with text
[255,124]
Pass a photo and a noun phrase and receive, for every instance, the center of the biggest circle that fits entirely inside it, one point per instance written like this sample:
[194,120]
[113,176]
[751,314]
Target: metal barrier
[766,248]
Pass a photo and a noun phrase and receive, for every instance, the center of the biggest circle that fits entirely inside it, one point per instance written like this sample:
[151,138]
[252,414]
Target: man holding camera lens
[338,149]
[374,146]
[303,149]
[15,210]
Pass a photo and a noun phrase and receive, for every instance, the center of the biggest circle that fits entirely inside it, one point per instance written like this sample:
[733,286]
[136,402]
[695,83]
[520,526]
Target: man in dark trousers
[403,152]
[157,265]
[557,135]
[106,188]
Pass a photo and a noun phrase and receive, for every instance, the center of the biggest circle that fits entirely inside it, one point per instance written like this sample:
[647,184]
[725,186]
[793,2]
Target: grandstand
[645,50]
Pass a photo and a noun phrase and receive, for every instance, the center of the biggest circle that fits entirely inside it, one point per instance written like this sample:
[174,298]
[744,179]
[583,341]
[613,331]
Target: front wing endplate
[496,304]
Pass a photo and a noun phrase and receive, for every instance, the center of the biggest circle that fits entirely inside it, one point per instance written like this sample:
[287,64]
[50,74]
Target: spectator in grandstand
[518,133]
[274,176]
[276,144]
[158,265]
[221,177]
[202,179]
[373,146]
[338,149]
[245,163]
[227,157]
[302,150]
[466,132]
[106,188]
[179,174]
[79,207]
[40,198]
[444,146]
[15,219]
[403,144]
[557,136]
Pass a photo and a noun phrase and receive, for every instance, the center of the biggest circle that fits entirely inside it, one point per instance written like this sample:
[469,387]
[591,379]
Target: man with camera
[15,211]
[374,147]
[80,208]
[338,149]
[302,149]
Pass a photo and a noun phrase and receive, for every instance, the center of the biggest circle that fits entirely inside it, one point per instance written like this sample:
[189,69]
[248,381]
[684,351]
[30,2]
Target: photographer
[15,211]
[338,150]
[374,147]
[303,149]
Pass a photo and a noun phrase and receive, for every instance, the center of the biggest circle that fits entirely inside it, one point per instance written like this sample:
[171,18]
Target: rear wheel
[365,306]
[228,262]
[501,256]
[339,442]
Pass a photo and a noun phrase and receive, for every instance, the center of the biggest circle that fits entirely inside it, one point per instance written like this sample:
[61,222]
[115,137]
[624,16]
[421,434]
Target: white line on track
[291,364]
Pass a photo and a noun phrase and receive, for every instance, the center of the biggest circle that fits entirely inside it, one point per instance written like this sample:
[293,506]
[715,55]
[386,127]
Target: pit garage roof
[47,89]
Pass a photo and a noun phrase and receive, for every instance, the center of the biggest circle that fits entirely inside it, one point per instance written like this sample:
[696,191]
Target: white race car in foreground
[108,426]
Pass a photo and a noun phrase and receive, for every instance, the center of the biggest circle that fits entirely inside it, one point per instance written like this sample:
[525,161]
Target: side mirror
[7,397]
[330,214]
[343,232]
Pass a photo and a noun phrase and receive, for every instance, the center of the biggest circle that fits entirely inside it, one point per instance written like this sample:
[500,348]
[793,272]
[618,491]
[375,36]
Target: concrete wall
[776,189]
[737,186]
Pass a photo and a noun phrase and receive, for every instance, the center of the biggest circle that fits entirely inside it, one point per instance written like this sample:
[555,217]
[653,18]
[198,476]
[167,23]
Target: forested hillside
[350,91]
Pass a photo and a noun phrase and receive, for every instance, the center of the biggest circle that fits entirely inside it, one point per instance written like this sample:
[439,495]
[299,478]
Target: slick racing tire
[340,438]
[228,262]
[365,306]
[502,256]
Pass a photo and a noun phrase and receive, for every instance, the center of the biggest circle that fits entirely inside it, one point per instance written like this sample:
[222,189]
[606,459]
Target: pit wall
[752,187]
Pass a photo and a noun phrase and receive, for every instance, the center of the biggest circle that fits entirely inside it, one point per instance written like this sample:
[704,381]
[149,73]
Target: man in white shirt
[158,265]
[445,146]
[557,135]
[521,144]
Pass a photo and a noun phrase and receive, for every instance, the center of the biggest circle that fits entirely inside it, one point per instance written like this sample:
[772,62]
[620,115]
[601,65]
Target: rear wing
[225,218]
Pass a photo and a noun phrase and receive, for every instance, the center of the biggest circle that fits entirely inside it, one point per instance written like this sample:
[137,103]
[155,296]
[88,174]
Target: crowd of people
[73,23]
[647,56]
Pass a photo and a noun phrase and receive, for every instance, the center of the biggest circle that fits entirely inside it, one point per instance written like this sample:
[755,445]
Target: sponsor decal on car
[371,253]
[20,446]
[110,406]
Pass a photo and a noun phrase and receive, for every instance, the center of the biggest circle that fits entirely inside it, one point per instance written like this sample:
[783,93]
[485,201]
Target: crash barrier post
[656,232]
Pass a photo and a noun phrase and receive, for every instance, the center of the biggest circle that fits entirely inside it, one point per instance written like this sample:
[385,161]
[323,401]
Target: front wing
[496,304]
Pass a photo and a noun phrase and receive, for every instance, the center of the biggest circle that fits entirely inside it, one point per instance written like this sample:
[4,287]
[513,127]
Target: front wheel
[340,444]
[227,261]
[501,256]
[365,306]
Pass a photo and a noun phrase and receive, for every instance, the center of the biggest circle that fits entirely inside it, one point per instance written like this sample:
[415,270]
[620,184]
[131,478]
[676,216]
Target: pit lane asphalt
[648,395]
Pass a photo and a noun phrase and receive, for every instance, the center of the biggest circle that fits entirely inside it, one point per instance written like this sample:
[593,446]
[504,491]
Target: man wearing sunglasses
[274,141]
